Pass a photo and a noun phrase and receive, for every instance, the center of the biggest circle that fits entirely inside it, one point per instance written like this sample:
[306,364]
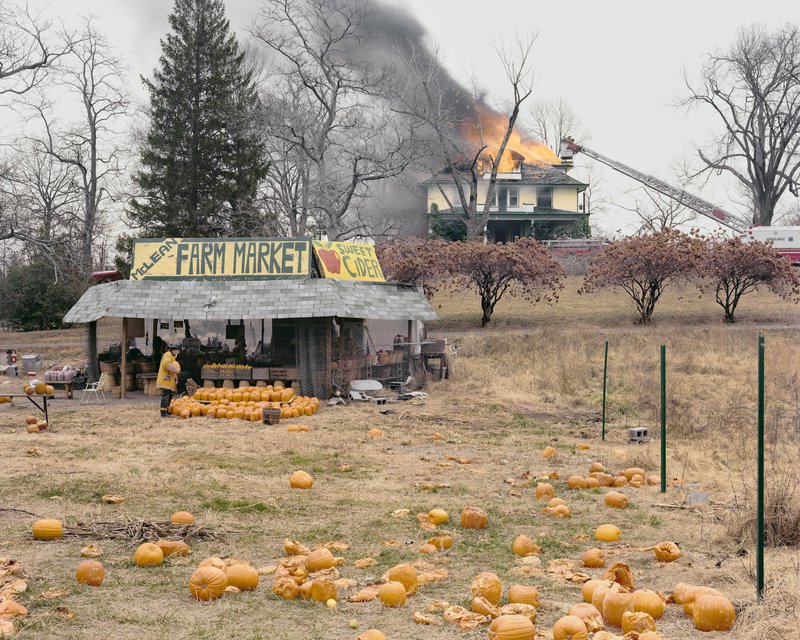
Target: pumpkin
[148,555]
[524,546]
[597,466]
[305,590]
[173,547]
[619,481]
[594,558]
[513,627]
[322,590]
[590,616]
[31,420]
[285,588]
[47,530]
[607,533]
[633,471]
[616,500]
[10,609]
[487,585]
[374,432]
[320,559]
[559,511]
[484,607]
[667,551]
[371,634]
[554,502]
[637,481]
[40,388]
[576,482]
[588,587]
[600,593]
[242,576]
[90,572]
[438,516]
[523,594]
[713,613]
[620,573]
[570,628]
[32,428]
[442,542]
[474,518]
[301,480]
[653,480]
[181,517]
[519,609]
[207,583]
[649,602]
[549,453]
[637,621]
[584,447]
[214,561]
[544,491]
[405,574]
[427,548]
[392,594]
[615,603]
[29,390]
[605,479]
[592,483]
[693,594]
[650,635]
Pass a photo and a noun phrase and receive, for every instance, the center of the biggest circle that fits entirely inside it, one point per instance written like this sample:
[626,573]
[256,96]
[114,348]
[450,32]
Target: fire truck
[785,240]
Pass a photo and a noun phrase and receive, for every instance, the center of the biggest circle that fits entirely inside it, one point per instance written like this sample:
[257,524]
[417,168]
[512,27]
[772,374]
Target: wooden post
[153,336]
[91,352]
[326,360]
[124,359]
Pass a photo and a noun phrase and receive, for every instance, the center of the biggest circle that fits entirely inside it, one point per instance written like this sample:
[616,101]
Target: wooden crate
[260,373]
[242,374]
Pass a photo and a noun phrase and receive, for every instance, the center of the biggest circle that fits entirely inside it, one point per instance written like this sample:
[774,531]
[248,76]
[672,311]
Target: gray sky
[618,63]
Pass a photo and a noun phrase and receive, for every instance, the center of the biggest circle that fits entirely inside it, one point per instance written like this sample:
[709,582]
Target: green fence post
[663,418]
[605,371]
[760,518]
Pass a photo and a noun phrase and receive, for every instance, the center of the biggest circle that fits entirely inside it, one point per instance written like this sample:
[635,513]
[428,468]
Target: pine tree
[202,162]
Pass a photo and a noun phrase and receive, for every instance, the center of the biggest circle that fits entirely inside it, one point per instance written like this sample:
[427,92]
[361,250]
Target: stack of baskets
[271,416]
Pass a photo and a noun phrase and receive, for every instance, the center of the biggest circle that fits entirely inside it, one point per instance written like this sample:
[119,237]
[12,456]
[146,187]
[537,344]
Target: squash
[607,533]
[301,480]
[513,627]
[554,502]
[374,433]
[667,551]
[286,588]
[619,481]
[392,594]
[181,517]
[523,594]
[559,511]
[594,558]
[713,613]
[636,481]
[519,609]
[405,574]
[681,592]
[576,482]
[597,466]
[653,480]
[427,548]
[442,542]
[32,428]
[588,587]
[148,555]
[214,561]
[207,583]
[544,491]
[616,500]
[438,516]
[320,559]
[173,547]
[549,453]
[590,616]
[31,420]
[692,596]
[484,607]
[633,471]
[637,621]
[90,572]
[242,576]
[47,529]
[524,546]
[615,604]
[592,483]
[11,609]
[305,590]
[371,634]
[570,628]
[322,590]
[605,479]
[40,388]
[600,593]
[620,573]
[487,585]
[649,602]
[474,518]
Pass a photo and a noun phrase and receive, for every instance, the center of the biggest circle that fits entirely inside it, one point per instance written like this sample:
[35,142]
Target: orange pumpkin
[487,585]
[637,621]
[474,518]
[615,604]
[320,559]
[405,574]
[576,482]
[512,627]
[544,491]
[570,628]
[371,634]
[285,588]
[597,467]
[649,602]
[667,551]
[181,517]
[587,590]
[148,555]
[607,533]
[713,613]
[392,594]
[173,547]
[594,558]
[590,616]
[207,583]
[242,576]
[616,500]
[322,590]
[90,572]
[523,594]
[549,453]
[524,546]
[484,607]
[301,480]
[438,516]
[47,529]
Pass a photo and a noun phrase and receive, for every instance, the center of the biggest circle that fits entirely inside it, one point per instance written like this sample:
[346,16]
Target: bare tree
[352,137]
[553,120]
[658,212]
[754,89]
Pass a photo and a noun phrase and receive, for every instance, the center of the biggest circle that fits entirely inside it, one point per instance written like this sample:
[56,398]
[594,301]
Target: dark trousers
[166,398]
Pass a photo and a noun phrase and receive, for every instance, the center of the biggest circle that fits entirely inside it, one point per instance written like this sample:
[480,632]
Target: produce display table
[67,386]
[41,407]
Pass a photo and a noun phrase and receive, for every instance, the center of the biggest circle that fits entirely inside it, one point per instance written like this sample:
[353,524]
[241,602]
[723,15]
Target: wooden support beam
[124,359]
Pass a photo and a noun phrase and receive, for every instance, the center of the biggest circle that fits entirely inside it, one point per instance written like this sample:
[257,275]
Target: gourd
[523,594]
[90,572]
[554,502]
[592,483]
[559,511]
[405,574]
[392,594]
[605,479]
[653,480]
[207,583]
[576,482]
[637,481]
[474,518]
[322,590]
[680,592]
[549,453]
[181,517]
[587,590]
[589,614]
[633,471]
[570,628]
[438,516]
[319,559]
[301,480]
[442,542]
[692,596]
[615,604]
[305,590]
[427,548]
[713,613]
[285,588]
[148,555]
[616,500]
[596,466]
[619,481]
[544,491]
[607,533]
[47,529]
[512,627]
[667,551]
[524,546]
[242,576]
[600,593]
[173,547]
[637,621]
[487,585]
[594,558]
[649,602]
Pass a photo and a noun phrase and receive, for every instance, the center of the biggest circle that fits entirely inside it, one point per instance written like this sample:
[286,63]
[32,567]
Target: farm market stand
[258,310]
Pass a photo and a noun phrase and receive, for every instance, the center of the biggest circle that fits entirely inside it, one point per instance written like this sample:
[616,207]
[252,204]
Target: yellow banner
[221,258]
[348,261]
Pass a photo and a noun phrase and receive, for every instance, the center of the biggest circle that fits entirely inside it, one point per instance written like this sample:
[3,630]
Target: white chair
[94,389]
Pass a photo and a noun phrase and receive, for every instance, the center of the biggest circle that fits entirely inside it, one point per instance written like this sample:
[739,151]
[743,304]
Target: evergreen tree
[202,162]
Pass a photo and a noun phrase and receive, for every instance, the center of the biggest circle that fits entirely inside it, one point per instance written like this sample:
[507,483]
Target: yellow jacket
[168,372]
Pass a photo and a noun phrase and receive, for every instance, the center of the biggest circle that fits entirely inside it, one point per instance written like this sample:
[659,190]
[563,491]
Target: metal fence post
[605,371]
[663,418]
[760,518]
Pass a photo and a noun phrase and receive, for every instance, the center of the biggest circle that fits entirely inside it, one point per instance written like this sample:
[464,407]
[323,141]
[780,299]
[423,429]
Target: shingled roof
[250,300]
[531,174]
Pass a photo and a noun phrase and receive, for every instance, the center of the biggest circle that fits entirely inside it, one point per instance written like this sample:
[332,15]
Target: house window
[513,198]
[544,198]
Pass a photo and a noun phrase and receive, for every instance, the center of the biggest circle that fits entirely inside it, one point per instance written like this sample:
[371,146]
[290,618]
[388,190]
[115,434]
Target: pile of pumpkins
[39,388]
[35,425]
[244,403]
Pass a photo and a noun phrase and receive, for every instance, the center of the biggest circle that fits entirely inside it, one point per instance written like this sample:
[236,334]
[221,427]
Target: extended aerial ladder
[679,195]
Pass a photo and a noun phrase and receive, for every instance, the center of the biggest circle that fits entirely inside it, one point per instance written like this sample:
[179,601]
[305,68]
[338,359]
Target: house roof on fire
[531,174]
[224,299]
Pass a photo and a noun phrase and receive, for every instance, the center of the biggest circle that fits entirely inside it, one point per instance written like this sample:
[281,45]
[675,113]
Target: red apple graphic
[330,258]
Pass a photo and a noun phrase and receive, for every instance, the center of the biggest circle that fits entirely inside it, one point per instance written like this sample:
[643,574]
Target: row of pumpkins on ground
[244,403]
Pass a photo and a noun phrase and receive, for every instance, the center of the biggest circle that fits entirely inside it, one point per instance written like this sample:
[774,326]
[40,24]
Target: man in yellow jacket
[167,379]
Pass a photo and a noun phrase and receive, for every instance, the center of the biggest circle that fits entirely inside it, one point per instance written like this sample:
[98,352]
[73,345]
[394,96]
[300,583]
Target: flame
[519,148]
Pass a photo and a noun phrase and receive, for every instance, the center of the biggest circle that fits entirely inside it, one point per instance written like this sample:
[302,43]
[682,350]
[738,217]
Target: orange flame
[490,132]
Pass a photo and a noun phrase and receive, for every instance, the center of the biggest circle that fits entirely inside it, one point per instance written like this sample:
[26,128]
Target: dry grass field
[531,380]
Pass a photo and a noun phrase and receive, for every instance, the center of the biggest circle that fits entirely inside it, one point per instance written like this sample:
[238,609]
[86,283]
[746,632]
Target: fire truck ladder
[686,199]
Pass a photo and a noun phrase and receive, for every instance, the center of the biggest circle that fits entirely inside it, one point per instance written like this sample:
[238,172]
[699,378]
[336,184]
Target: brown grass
[513,392]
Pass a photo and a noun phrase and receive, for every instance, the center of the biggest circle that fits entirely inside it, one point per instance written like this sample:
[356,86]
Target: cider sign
[348,261]
[180,258]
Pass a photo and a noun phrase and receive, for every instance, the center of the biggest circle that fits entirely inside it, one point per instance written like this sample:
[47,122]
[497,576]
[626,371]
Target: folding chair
[94,389]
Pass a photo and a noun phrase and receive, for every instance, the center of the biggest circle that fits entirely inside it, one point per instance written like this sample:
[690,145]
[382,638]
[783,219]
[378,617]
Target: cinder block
[638,434]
